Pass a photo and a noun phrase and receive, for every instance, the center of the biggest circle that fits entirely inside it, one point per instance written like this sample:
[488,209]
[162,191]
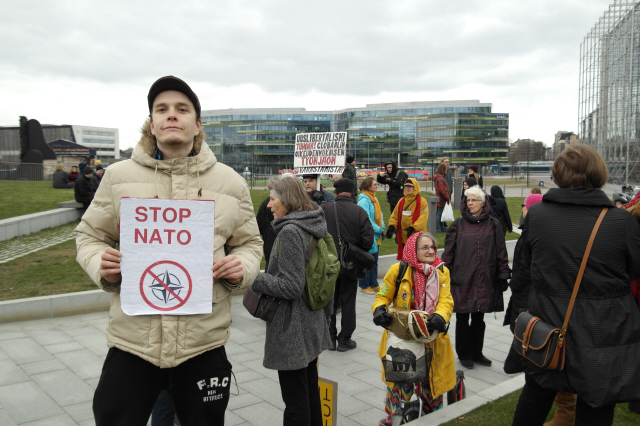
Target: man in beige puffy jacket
[183,354]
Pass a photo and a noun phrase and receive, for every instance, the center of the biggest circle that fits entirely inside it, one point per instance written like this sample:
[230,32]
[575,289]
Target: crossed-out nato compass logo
[171,282]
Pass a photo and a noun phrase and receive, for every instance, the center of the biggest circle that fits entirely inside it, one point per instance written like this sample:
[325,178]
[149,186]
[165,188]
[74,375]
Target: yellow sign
[328,401]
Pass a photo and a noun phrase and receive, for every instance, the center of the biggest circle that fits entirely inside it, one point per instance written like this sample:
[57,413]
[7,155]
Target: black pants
[345,297]
[129,386]
[535,402]
[301,396]
[470,338]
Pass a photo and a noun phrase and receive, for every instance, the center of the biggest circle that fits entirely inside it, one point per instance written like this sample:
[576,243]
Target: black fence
[23,171]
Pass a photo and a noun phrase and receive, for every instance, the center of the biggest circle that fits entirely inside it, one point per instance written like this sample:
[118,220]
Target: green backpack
[321,271]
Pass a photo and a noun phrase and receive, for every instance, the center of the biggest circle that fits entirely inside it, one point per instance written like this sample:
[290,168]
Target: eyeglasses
[473,201]
[427,248]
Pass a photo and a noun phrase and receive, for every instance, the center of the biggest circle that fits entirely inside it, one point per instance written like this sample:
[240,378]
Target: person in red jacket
[443,192]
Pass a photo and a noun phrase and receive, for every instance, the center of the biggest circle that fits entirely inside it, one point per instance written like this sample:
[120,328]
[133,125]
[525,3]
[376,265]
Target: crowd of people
[154,360]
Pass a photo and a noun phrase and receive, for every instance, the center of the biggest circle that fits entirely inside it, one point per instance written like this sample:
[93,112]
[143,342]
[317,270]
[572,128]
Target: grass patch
[500,413]
[18,198]
[53,270]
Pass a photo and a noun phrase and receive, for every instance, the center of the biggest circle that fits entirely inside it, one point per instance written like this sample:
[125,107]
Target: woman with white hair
[476,255]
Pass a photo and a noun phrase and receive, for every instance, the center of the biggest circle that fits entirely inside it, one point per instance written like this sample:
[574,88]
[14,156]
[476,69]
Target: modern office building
[104,140]
[609,108]
[417,134]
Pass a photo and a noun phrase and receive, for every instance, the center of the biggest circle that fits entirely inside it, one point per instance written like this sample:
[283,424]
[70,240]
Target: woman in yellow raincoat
[425,287]
[409,216]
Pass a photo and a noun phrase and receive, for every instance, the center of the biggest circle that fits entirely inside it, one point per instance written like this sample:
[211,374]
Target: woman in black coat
[476,255]
[603,337]
[502,210]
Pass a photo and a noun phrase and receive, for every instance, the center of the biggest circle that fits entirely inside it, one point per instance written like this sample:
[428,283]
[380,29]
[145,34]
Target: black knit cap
[172,83]
[350,159]
[343,185]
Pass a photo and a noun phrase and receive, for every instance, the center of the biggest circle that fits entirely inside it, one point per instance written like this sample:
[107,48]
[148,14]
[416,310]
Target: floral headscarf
[426,278]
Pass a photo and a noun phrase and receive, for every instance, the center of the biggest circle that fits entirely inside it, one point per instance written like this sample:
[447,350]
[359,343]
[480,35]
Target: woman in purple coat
[476,255]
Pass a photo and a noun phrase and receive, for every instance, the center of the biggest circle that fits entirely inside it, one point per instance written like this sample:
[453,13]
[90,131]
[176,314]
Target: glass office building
[417,134]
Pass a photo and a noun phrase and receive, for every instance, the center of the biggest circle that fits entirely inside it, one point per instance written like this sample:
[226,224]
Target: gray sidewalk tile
[85,363]
[25,351]
[241,337]
[64,347]
[488,374]
[3,356]
[256,365]
[64,387]
[93,383]
[374,380]
[245,356]
[374,397]
[61,420]
[49,336]
[346,421]
[95,342]
[346,384]
[10,373]
[267,390]
[473,384]
[249,375]
[5,420]
[232,419]
[349,405]
[260,414]
[368,417]
[25,402]
[42,367]
[243,400]
[83,331]
[333,359]
[349,368]
[80,412]
[90,422]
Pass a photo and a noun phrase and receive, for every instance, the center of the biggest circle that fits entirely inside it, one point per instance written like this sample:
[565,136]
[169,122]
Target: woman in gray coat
[297,335]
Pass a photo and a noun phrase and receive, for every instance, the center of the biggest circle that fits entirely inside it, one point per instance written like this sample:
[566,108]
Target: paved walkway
[49,370]
[21,246]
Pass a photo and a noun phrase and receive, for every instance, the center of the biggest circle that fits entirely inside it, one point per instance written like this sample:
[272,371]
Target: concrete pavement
[49,370]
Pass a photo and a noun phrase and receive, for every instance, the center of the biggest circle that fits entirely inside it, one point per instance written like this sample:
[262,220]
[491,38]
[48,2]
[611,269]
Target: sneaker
[467,363]
[375,289]
[482,360]
[385,422]
[347,346]
[368,290]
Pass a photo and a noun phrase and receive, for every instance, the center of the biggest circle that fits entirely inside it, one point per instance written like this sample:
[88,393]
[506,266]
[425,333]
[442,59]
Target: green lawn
[18,198]
[500,413]
[55,271]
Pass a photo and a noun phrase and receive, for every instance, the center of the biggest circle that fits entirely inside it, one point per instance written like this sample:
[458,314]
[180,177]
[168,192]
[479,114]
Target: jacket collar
[578,196]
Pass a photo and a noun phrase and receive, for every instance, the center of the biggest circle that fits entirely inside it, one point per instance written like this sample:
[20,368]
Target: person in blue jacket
[368,201]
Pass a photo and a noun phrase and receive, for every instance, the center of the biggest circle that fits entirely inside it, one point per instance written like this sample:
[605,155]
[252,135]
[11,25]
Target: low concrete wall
[385,262]
[61,305]
[30,223]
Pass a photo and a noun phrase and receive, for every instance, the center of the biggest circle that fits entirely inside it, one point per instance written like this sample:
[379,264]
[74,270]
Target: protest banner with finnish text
[318,153]
[167,254]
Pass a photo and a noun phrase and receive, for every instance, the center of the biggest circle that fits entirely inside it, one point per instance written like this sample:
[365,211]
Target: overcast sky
[92,63]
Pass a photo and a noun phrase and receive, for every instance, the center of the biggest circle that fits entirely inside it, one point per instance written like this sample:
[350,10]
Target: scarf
[378,213]
[313,192]
[426,277]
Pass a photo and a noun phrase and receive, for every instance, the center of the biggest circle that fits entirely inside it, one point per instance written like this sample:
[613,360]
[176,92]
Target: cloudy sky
[92,63]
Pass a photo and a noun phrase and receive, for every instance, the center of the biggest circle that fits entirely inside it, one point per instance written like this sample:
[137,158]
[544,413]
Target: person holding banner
[317,196]
[409,216]
[183,354]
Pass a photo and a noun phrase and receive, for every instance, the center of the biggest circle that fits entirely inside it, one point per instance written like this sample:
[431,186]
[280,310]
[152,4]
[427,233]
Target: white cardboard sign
[317,153]
[167,255]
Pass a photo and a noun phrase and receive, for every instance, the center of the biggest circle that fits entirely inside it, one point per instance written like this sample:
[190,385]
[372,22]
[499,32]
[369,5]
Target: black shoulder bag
[354,261]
